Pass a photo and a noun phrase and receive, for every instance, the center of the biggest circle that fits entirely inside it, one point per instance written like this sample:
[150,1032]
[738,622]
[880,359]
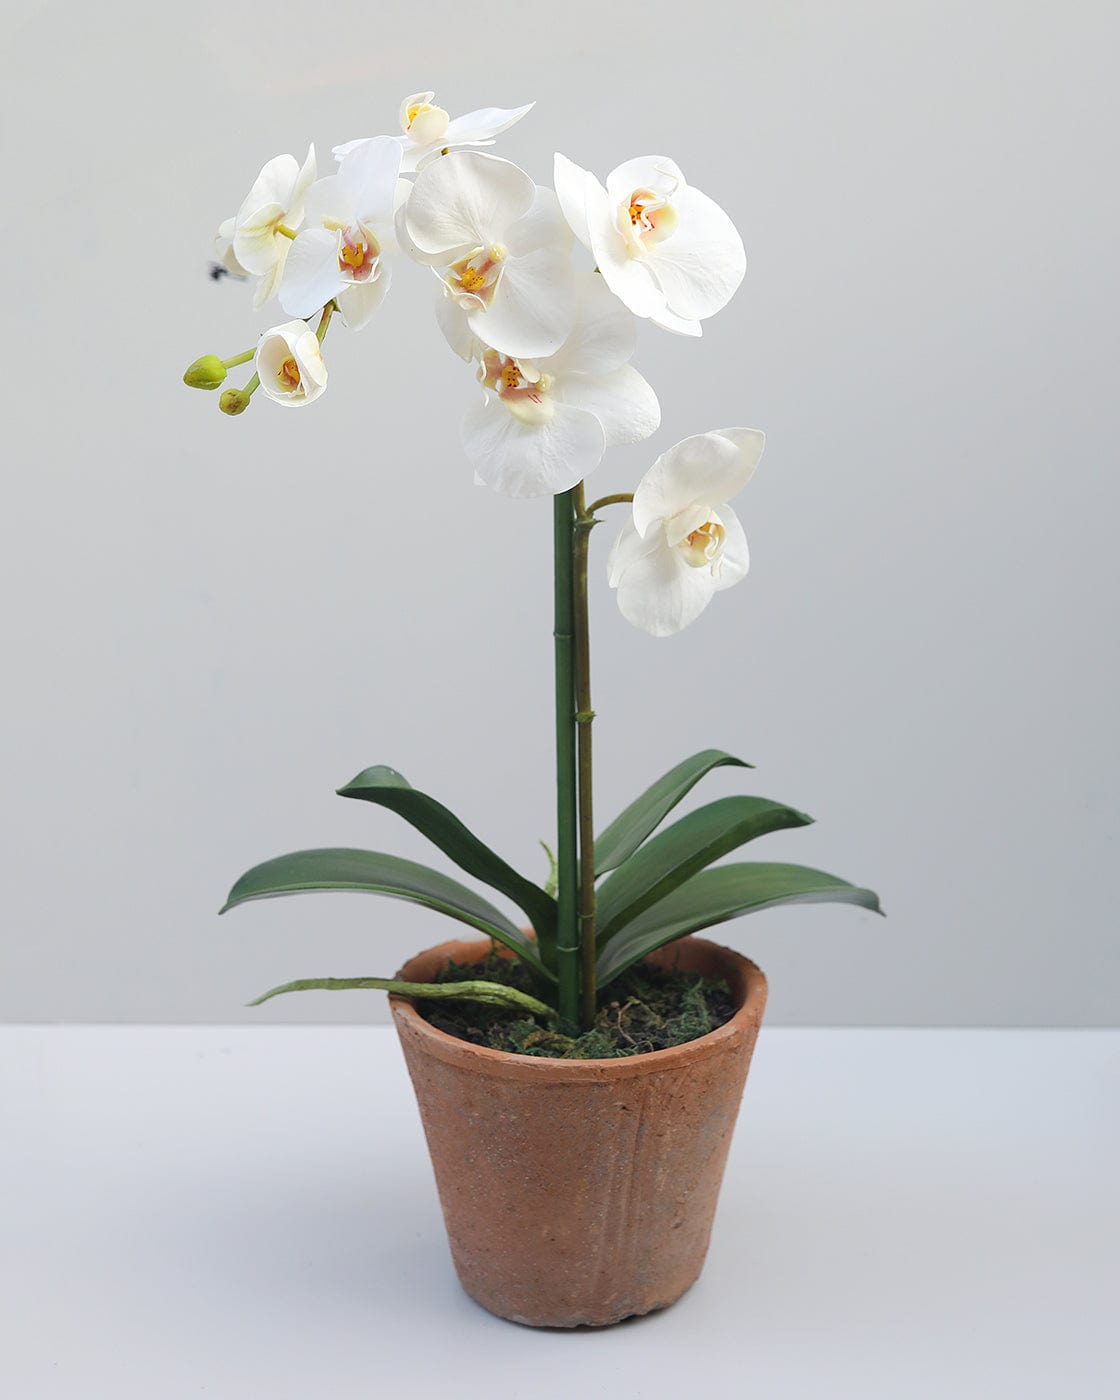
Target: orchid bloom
[500,246]
[426,130]
[350,228]
[542,426]
[290,364]
[684,543]
[668,251]
[273,208]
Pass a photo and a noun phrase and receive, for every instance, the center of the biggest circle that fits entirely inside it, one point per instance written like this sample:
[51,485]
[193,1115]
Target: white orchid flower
[542,426]
[501,247]
[274,203]
[426,129]
[684,543]
[350,229]
[290,364]
[668,251]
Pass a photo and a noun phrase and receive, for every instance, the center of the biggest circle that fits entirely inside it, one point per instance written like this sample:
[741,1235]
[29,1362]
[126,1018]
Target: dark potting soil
[647,1008]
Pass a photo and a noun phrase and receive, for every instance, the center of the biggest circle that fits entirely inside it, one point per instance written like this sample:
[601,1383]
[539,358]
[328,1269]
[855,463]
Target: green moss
[647,1008]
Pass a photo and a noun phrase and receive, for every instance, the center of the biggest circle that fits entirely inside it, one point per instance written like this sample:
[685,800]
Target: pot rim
[745,1021]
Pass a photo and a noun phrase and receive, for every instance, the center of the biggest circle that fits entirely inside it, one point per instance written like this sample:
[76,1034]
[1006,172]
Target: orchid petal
[627,548]
[622,401]
[698,471]
[273,186]
[533,307]
[359,300]
[570,181]
[656,173]
[452,321]
[735,560]
[701,265]
[603,336]
[543,225]
[311,276]
[369,177]
[464,201]
[660,593]
[677,324]
[525,460]
[483,125]
[627,277]
[300,186]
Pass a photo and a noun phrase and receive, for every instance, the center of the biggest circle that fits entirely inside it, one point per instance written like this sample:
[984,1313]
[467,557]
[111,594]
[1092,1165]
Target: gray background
[210,624]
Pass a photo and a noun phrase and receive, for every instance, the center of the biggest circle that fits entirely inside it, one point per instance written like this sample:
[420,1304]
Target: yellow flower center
[703,545]
[287,376]
[474,279]
[521,387]
[647,218]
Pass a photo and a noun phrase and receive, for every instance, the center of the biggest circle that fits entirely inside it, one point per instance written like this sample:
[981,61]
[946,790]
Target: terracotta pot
[580,1192]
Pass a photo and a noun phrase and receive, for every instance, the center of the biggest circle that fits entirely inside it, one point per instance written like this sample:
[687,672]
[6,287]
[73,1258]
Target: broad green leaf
[714,896]
[386,787]
[646,813]
[683,849]
[335,868]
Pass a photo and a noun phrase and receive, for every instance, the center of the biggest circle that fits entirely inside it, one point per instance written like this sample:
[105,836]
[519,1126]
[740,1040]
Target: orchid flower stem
[584,716]
[567,893]
[325,320]
[623,498]
[242,359]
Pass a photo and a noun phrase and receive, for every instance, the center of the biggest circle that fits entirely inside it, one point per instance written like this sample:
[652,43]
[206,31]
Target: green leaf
[714,896]
[646,813]
[386,787]
[335,868]
[683,849]
[489,993]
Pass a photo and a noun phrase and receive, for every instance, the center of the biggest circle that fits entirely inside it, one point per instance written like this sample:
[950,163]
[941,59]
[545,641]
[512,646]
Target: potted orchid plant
[568,1071]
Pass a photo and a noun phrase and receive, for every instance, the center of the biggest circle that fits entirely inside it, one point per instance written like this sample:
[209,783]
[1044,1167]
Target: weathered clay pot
[580,1192]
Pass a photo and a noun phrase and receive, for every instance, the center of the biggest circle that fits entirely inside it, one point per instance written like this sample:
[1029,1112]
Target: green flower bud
[234,401]
[206,373]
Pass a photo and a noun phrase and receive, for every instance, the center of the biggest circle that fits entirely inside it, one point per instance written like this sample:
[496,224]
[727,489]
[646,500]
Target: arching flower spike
[684,543]
[667,250]
[426,129]
[543,426]
[500,246]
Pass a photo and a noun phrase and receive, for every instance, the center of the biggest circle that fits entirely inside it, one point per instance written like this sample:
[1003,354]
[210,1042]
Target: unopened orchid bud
[234,401]
[206,373]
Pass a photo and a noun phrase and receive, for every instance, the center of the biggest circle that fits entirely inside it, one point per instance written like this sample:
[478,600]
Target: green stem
[325,320]
[567,924]
[620,499]
[242,359]
[584,715]
[493,993]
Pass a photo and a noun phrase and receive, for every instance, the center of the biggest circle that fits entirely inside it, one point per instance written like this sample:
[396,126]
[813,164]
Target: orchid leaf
[630,828]
[714,896]
[336,868]
[489,993]
[387,788]
[683,849]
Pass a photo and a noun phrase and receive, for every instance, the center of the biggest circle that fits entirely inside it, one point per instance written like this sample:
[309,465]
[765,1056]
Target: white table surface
[249,1214]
